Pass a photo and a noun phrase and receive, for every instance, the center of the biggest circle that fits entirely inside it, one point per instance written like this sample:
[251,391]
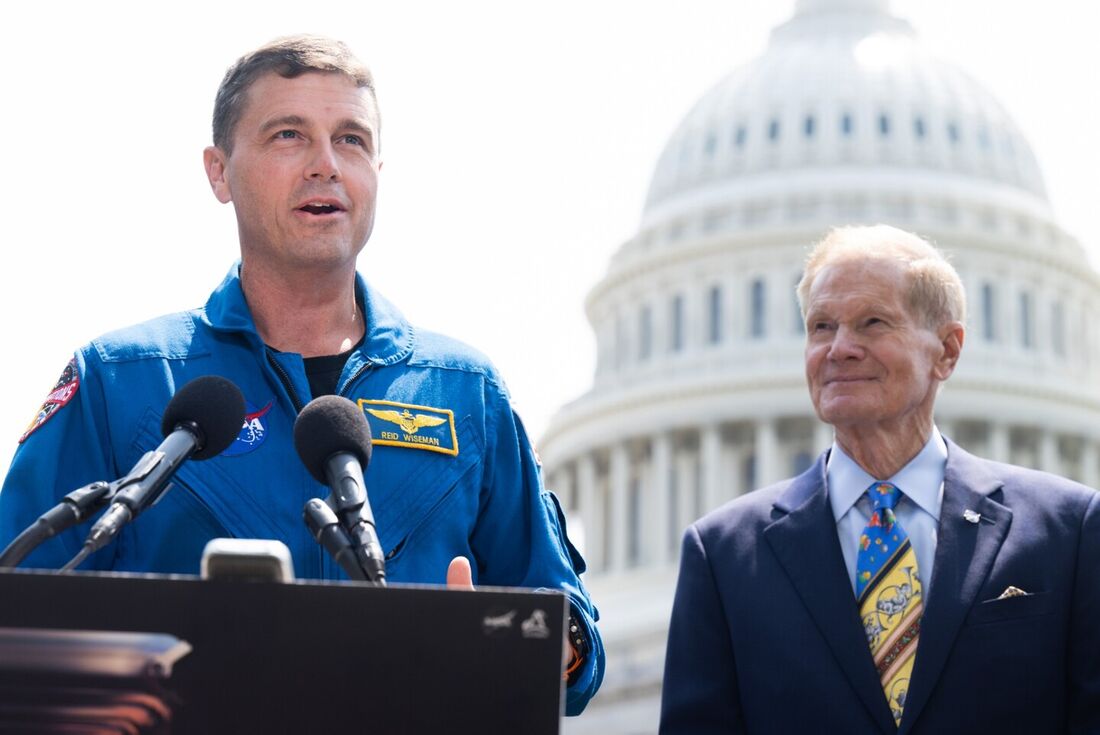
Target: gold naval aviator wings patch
[396,424]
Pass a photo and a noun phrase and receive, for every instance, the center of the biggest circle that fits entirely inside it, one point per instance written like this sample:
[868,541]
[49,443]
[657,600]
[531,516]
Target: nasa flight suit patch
[253,432]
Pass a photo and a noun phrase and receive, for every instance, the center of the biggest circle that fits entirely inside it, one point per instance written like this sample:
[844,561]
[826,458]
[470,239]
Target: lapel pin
[972,516]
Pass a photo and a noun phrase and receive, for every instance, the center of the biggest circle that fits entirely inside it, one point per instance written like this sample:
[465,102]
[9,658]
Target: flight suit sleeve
[521,539]
[66,446]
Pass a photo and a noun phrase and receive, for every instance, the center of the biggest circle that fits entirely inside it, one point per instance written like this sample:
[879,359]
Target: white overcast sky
[518,141]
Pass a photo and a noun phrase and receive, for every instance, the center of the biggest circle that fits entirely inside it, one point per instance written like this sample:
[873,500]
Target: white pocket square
[1012,591]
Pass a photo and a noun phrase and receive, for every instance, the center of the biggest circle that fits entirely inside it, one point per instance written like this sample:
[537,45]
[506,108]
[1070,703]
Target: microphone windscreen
[329,425]
[213,404]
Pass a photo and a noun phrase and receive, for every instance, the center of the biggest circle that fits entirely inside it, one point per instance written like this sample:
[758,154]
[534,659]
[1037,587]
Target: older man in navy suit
[900,585]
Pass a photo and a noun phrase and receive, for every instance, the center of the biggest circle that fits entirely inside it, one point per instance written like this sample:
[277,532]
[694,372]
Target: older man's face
[870,363]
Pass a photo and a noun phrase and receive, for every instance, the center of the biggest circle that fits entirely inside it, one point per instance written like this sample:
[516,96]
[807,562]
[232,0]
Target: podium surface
[313,657]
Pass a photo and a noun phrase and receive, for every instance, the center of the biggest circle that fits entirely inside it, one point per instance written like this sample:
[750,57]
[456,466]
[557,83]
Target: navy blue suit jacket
[766,636]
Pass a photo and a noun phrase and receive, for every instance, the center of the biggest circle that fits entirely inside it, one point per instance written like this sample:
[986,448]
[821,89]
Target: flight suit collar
[389,338]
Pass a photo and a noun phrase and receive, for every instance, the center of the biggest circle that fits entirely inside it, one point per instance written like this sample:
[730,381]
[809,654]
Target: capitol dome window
[846,125]
[1027,338]
[714,315]
[883,125]
[645,333]
[676,322]
[1058,329]
[773,130]
[620,342]
[739,136]
[710,144]
[808,126]
[953,132]
[918,127]
[757,316]
[989,313]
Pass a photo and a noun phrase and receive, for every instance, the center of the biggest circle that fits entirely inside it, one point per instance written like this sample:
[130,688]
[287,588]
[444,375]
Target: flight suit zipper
[285,380]
[294,399]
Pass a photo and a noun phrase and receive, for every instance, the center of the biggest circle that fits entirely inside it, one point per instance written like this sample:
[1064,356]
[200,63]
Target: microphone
[201,421]
[325,527]
[333,440]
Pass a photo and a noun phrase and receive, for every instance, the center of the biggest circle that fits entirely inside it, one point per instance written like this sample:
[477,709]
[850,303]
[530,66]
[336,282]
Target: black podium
[218,656]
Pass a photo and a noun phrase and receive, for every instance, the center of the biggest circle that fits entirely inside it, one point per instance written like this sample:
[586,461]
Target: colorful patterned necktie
[888,590]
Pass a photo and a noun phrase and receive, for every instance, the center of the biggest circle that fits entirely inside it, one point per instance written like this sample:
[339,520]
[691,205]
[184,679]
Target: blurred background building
[699,394]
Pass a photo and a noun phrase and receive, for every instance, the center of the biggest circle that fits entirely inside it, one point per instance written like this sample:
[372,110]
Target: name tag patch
[394,424]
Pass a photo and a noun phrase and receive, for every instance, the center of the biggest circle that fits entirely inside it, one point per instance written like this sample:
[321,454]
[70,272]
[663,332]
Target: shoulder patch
[395,424]
[61,394]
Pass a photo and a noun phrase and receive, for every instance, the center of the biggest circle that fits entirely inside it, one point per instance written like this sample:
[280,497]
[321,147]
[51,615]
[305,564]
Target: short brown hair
[936,293]
[289,57]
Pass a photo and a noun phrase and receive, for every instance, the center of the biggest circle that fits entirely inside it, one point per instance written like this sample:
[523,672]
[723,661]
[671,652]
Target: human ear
[951,337]
[214,160]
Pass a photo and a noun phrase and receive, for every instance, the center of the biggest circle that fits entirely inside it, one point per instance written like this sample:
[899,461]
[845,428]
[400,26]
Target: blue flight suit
[452,471]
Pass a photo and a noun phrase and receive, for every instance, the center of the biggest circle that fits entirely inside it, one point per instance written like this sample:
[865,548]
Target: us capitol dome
[699,393]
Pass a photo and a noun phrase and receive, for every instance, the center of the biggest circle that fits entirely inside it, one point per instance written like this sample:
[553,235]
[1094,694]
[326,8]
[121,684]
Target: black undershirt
[324,371]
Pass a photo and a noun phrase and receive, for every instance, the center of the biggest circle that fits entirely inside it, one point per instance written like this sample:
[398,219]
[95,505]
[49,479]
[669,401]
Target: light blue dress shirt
[918,511]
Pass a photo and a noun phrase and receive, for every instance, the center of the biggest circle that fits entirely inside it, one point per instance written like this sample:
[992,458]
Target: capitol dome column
[1000,442]
[619,475]
[659,505]
[1090,463]
[686,472]
[710,450]
[767,452]
[1049,456]
[562,485]
[591,511]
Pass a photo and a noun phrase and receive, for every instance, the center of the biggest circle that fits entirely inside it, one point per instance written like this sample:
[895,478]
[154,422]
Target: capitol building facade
[699,393]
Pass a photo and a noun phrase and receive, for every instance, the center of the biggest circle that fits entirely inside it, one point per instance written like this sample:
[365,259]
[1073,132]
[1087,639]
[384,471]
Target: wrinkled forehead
[272,89]
[851,290]
[859,274]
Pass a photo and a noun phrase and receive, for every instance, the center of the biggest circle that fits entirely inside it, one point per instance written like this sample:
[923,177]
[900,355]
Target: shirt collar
[921,479]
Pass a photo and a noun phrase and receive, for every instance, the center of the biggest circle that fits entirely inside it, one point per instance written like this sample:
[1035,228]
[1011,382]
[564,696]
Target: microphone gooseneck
[201,421]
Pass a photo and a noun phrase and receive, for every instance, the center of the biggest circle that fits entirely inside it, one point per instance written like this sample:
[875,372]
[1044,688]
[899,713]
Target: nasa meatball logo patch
[61,394]
[253,432]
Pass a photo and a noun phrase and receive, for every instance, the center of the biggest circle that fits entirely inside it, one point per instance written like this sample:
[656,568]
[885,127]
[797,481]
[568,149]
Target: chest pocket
[408,486]
[206,488]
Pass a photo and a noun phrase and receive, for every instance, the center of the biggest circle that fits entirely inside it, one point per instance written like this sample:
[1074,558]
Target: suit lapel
[804,539]
[964,556]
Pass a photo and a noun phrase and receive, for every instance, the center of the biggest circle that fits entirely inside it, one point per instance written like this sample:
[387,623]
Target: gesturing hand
[459,574]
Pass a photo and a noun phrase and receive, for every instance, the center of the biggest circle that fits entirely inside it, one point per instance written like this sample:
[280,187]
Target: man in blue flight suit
[455,485]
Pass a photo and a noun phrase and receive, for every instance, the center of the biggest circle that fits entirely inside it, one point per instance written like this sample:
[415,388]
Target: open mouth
[320,208]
